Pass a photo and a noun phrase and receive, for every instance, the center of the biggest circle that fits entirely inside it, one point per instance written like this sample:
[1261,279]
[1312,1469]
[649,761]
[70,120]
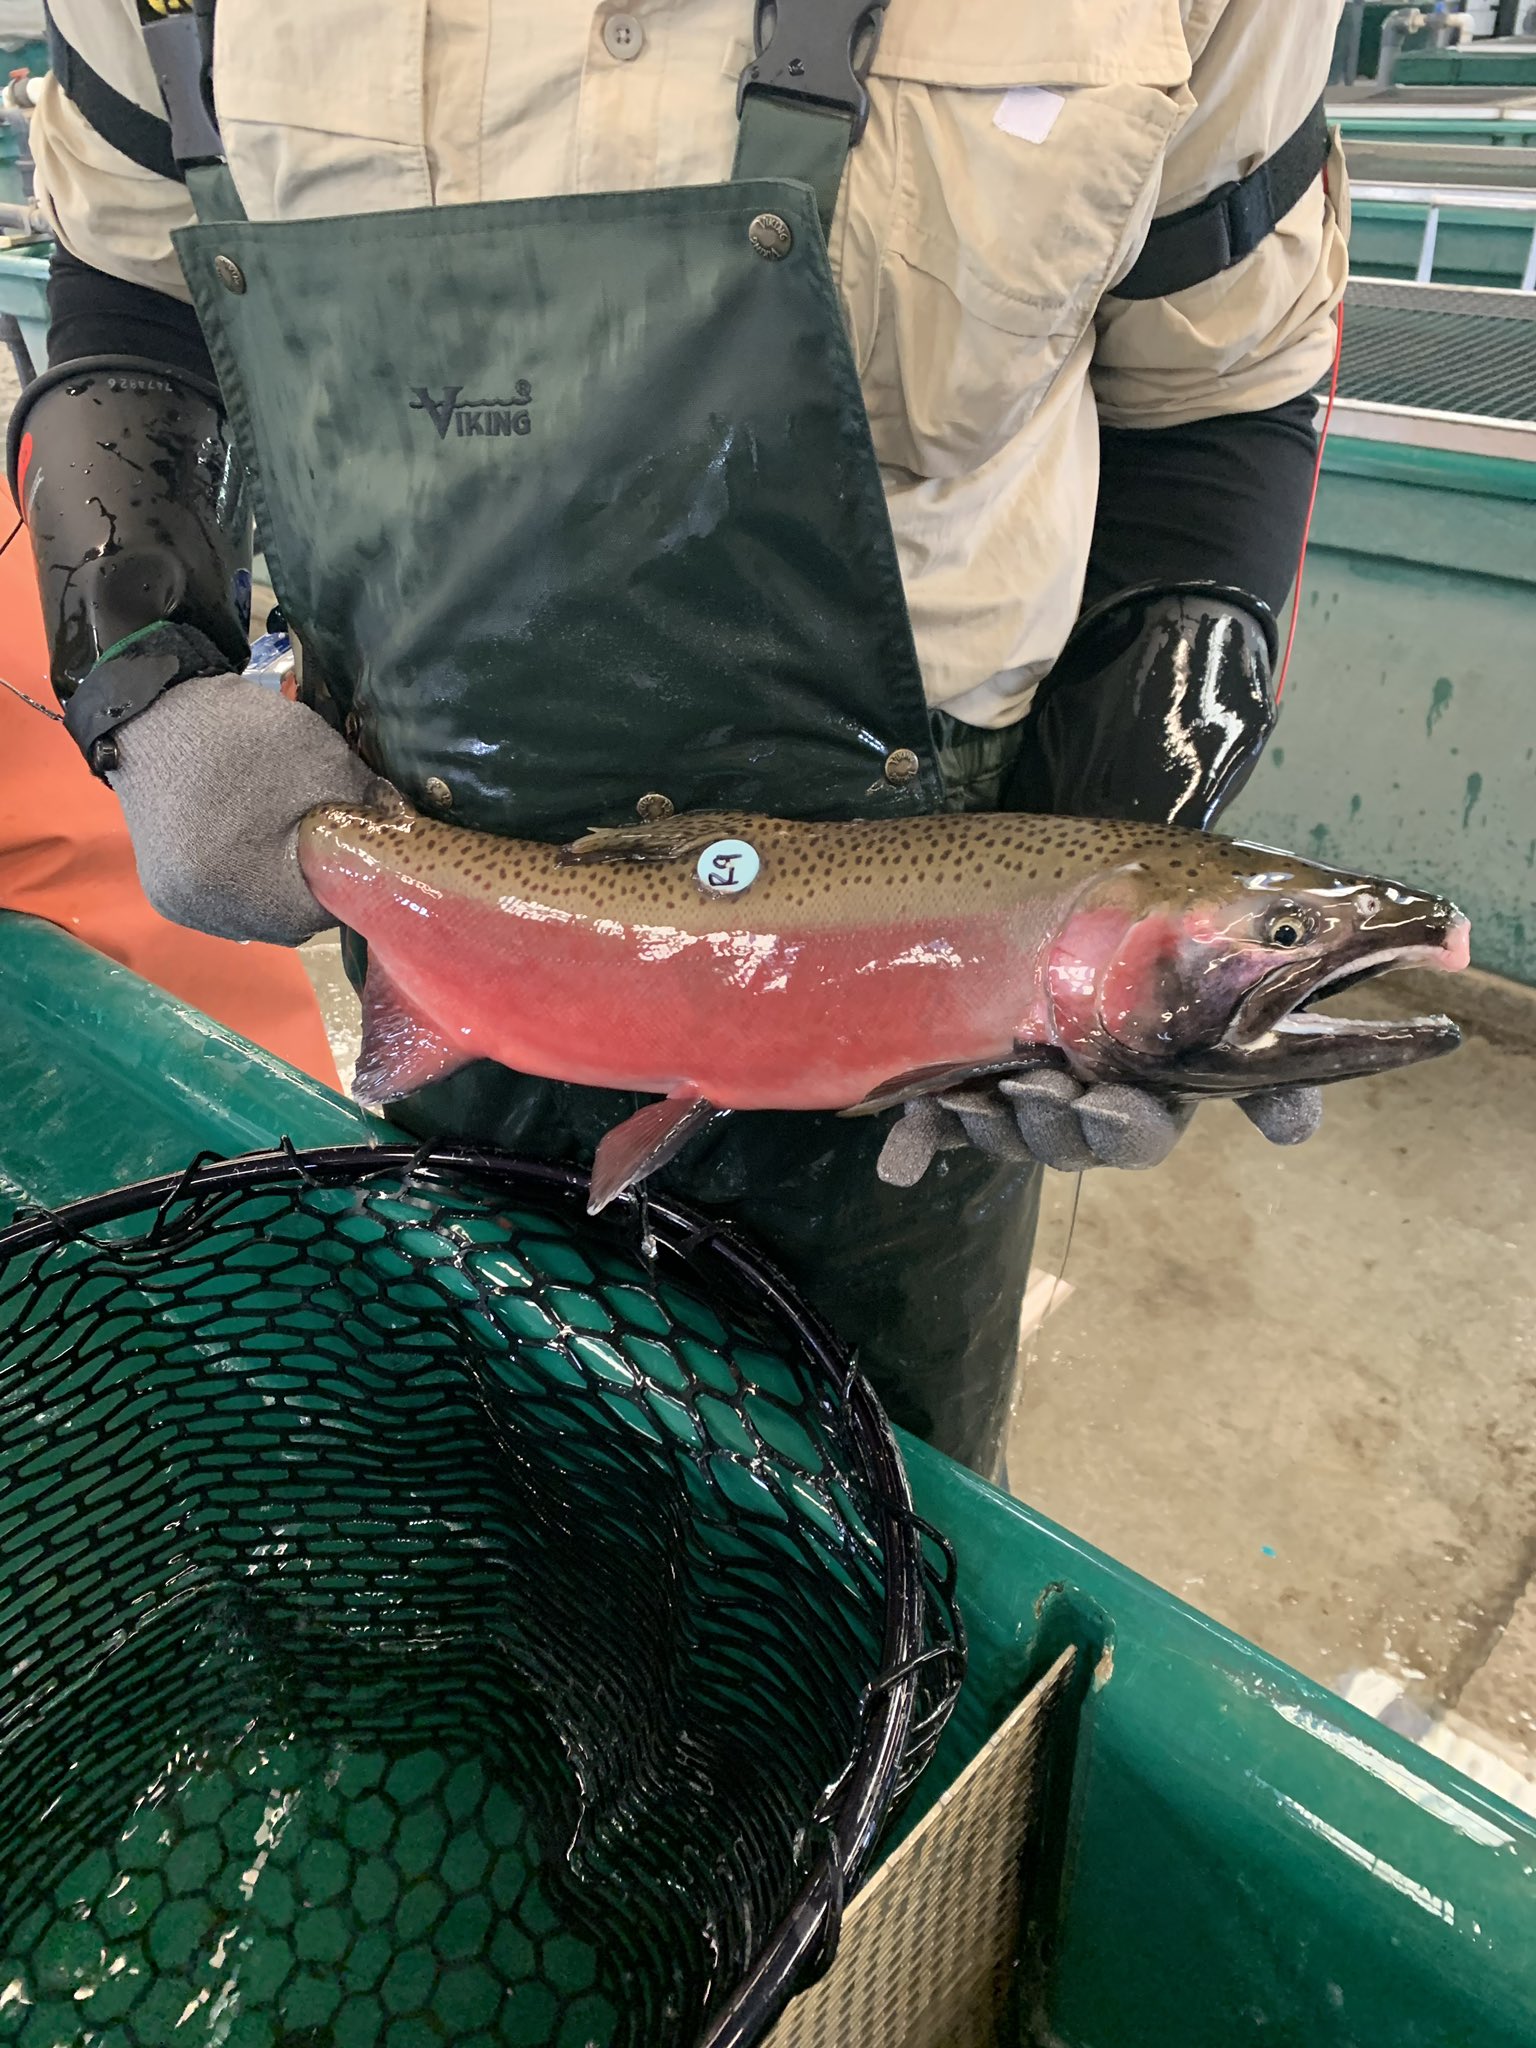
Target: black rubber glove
[1158,708]
[135,507]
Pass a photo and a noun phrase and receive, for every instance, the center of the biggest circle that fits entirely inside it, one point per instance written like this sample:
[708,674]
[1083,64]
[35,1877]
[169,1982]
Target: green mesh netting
[428,1616]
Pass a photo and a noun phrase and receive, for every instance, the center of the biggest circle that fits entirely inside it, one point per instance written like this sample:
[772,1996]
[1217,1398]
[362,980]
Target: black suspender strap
[802,101]
[141,137]
[178,37]
[1209,237]
[178,34]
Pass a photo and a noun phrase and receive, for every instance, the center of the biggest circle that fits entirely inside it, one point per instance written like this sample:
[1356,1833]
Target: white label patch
[1029,112]
[728,866]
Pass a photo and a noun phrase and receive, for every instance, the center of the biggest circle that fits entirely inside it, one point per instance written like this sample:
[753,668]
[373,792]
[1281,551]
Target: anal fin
[402,1050]
[644,1142]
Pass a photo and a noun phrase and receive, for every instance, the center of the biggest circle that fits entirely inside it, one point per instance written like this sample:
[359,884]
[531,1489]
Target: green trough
[1407,738]
[1228,1852]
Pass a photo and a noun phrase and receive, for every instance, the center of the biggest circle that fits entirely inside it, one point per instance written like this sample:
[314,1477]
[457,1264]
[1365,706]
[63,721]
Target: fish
[722,961]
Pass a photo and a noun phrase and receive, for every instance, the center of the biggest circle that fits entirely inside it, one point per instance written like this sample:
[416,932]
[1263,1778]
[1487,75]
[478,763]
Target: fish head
[1194,969]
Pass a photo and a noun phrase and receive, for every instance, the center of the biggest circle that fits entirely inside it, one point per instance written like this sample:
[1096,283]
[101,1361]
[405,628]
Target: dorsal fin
[681,838]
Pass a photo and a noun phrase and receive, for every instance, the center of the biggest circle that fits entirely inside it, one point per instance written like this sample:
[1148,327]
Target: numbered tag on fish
[728,866]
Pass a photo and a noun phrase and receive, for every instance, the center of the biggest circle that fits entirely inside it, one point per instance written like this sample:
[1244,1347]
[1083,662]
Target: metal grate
[1437,347]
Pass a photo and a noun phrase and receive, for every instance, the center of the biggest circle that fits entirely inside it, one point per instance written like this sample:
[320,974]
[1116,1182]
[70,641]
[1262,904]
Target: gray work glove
[213,779]
[1043,1115]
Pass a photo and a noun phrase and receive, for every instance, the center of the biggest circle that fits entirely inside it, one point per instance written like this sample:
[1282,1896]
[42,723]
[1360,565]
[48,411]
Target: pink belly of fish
[811,1020]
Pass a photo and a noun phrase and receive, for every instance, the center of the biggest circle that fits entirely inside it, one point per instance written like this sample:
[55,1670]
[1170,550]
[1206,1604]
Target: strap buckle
[128,678]
[815,50]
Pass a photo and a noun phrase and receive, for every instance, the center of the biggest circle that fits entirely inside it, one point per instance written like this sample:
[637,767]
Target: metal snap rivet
[623,37]
[229,273]
[901,765]
[438,792]
[770,236]
[654,806]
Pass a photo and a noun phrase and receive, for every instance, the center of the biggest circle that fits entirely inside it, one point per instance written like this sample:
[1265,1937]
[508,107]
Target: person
[659,407]
[65,856]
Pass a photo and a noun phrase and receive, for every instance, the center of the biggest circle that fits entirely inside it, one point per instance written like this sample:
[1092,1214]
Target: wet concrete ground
[1299,1387]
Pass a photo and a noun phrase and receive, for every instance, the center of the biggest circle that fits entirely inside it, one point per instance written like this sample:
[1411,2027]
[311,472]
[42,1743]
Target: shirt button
[623,37]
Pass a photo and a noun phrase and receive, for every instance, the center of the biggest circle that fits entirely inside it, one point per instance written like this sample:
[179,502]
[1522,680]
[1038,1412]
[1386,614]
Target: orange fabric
[66,856]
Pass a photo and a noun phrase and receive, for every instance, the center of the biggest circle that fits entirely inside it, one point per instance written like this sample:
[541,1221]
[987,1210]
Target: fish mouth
[1277,1036]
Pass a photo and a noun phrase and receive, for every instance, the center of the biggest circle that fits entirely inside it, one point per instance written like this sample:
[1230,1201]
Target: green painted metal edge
[1476,246]
[23,291]
[1513,128]
[1484,476]
[1452,533]
[24,285]
[30,54]
[1465,213]
[1238,1856]
[1247,1858]
[108,1079]
[1478,70]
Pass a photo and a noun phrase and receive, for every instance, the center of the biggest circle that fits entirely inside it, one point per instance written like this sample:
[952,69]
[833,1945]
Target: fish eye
[1287,925]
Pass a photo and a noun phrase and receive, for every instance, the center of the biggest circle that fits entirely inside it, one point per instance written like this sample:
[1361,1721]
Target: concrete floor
[1296,1387]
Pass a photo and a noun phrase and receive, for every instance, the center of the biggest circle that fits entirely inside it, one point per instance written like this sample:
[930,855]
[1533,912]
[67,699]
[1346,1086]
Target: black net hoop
[429,1615]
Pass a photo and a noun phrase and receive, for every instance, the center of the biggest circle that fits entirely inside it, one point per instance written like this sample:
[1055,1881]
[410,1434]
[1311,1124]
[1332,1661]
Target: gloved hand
[213,779]
[1044,1115]
[1158,707]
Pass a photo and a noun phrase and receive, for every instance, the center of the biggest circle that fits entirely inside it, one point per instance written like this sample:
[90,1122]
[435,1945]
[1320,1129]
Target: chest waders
[572,502]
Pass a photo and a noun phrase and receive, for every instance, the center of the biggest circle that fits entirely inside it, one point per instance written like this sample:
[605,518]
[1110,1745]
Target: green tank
[1214,1849]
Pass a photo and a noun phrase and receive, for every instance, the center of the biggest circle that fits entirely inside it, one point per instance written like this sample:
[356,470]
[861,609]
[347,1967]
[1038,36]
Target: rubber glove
[1045,1116]
[213,779]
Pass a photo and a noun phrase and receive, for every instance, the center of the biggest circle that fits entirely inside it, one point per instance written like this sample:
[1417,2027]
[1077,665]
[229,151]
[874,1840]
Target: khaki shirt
[1016,152]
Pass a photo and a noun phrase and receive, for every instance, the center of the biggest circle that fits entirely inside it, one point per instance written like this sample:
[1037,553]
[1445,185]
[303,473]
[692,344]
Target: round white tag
[728,866]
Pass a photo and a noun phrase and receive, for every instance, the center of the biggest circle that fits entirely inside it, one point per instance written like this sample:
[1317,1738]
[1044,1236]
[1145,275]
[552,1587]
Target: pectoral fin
[644,1142]
[934,1080]
[402,1050]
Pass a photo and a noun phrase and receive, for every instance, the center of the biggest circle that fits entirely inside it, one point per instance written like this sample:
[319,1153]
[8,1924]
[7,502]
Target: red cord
[1306,531]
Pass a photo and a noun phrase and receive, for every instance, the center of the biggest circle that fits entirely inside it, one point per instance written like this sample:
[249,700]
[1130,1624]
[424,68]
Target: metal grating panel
[1441,348]
[929,1946]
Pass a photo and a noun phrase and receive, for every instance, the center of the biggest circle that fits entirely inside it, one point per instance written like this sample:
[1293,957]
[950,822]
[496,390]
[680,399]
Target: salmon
[723,961]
